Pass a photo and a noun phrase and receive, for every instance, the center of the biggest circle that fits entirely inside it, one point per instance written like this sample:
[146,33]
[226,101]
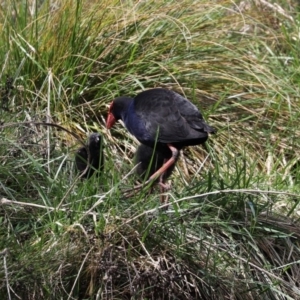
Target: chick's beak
[111,120]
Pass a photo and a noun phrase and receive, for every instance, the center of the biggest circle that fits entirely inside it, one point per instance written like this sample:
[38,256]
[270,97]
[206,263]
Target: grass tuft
[231,227]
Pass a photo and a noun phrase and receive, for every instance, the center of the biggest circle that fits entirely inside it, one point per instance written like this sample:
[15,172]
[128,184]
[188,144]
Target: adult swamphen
[94,159]
[163,119]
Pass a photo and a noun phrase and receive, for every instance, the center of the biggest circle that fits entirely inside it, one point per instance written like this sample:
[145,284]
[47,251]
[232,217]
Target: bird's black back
[171,118]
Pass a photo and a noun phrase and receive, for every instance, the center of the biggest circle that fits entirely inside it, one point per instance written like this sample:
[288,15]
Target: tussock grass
[231,227]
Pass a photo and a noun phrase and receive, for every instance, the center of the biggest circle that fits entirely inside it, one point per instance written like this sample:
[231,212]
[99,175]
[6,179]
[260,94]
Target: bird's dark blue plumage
[136,125]
[163,115]
[163,119]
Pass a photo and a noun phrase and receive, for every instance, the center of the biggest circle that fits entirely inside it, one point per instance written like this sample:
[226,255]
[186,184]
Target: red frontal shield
[110,121]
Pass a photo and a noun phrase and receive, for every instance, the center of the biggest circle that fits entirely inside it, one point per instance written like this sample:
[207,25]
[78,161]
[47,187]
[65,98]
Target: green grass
[231,230]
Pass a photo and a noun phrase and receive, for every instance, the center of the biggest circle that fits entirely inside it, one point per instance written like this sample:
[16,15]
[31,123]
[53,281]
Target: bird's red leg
[166,165]
[162,183]
[163,188]
[161,170]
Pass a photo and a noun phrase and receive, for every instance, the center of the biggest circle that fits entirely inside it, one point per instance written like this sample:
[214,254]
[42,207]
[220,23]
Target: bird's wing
[191,114]
[161,116]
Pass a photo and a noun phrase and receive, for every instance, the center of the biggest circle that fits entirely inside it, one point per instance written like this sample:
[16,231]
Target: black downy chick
[96,159]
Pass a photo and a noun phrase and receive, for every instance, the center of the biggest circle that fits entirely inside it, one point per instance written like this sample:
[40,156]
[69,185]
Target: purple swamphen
[161,119]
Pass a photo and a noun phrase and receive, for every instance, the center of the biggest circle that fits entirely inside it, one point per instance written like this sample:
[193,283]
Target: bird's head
[117,110]
[95,140]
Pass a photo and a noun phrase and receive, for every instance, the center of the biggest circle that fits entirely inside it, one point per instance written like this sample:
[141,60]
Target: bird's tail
[210,129]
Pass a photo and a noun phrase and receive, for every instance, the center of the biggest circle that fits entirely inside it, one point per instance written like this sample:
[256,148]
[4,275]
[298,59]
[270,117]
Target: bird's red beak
[111,120]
